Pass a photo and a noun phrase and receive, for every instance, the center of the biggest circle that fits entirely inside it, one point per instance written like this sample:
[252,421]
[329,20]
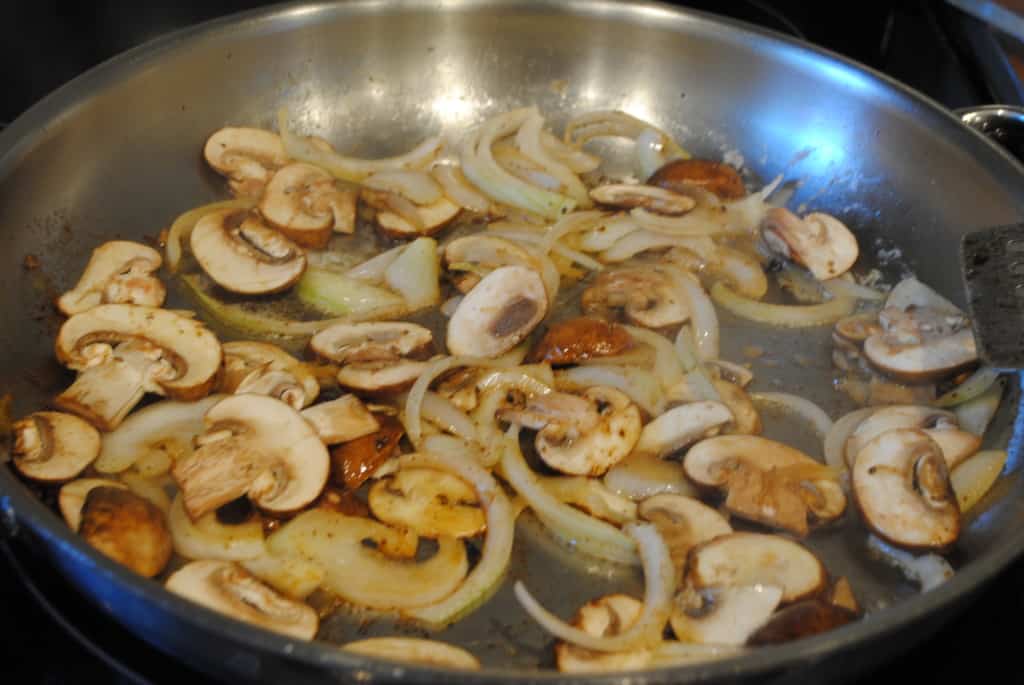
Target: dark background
[47,42]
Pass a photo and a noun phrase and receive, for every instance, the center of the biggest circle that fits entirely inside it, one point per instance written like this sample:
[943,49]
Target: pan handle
[1004,124]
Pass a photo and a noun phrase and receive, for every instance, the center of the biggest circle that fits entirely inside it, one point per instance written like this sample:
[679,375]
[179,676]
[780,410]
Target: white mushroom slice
[71,497]
[683,522]
[247,156]
[127,528]
[381,378]
[208,538]
[265,369]
[941,426]
[750,559]
[434,217]
[255,446]
[498,313]
[415,650]
[244,255]
[605,616]
[341,420]
[570,412]
[371,342]
[820,242]
[628,196]
[767,481]
[682,426]
[156,351]
[53,447]
[226,587]
[649,296]
[911,293]
[933,359]
[118,272]
[428,502]
[902,488]
[306,204]
[161,432]
[724,616]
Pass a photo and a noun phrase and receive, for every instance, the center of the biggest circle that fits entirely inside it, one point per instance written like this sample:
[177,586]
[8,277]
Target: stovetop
[935,49]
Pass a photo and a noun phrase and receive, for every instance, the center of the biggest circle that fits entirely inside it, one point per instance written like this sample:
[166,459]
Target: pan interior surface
[116,154]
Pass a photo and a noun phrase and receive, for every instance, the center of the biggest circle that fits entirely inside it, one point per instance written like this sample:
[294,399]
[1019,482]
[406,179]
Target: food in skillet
[497,328]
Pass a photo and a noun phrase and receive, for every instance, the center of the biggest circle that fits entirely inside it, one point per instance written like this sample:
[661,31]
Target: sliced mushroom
[857,328]
[415,650]
[71,497]
[649,296]
[746,420]
[430,503]
[682,426]
[575,340]
[901,486]
[264,369]
[749,559]
[244,255]
[605,616]
[341,420]
[371,342]
[941,426]
[717,177]
[683,522]
[381,378]
[255,446]
[247,156]
[819,242]
[306,204]
[723,616]
[803,619]
[655,199]
[353,462]
[52,447]
[127,528]
[767,481]
[118,272]
[226,587]
[498,313]
[123,351]
[432,217]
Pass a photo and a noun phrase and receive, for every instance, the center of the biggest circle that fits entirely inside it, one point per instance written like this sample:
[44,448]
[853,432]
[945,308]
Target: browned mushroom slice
[432,218]
[264,369]
[716,177]
[244,255]
[723,615]
[658,200]
[118,272]
[52,447]
[498,313]
[71,497]
[819,242]
[748,559]
[255,446]
[371,342]
[901,486]
[247,156]
[649,297]
[127,528]
[229,589]
[428,502]
[123,351]
[767,481]
[683,522]
[340,420]
[605,616]
[575,340]
[941,426]
[682,426]
[803,619]
[353,462]
[306,204]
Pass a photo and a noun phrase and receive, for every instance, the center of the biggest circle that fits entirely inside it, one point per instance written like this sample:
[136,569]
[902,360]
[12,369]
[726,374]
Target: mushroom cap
[683,522]
[745,559]
[434,217]
[340,420]
[192,350]
[803,619]
[246,361]
[353,462]
[52,447]
[247,156]
[681,426]
[348,343]
[820,242]
[716,177]
[578,339]
[381,378]
[302,201]
[127,528]
[428,502]
[118,272]
[71,497]
[933,359]
[902,488]
[592,452]
[226,587]
[941,426]
[257,446]
[608,615]
[648,295]
[652,198]
[244,255]
[498,313]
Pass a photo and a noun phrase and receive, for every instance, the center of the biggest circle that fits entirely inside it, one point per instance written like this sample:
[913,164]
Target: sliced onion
[649,154]
[533,379]
[351,168]
[928,570]
[975,415]
[642,240]
[791,316]
[659,588]
[387,201]
[374,269]
[571,223]
[641,385]
[182,227]
[810,412]
[976,476]
[732,372]
[591,495]
[446,416]
[667,366]
[530,236]
[459,449]
[641,475]
[845,286]
[458,188]
[588,534]
[703,318]
[696,376]
[486,576]
[528,140]
[613,123]
[418,186]
[685,225]
[835,439]
[579,161]
[602,237]
[980,381]
[577,257]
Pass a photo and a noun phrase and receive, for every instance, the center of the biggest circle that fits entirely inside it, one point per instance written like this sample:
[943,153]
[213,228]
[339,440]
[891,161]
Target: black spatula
[992,265]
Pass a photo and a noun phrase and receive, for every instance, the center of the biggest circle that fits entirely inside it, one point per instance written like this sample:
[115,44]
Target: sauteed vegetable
[390,360]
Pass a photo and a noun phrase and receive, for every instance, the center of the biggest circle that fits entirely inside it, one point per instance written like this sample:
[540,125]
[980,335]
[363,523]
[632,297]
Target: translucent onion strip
[446,416]
[928,570]
[790,316]
[845,286]
[649,155]
[605,123]
[972,479]
[646,631]
[802,407]
[980,381]
[579,161]
[685,225]
[703,318]
[373,270]
[458,189]
[418,186]
[182,227]
[667,366]
[571,223]
[487,574]
[535,239]
[640,384]
[528,140]
[459,449]
[835,439]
